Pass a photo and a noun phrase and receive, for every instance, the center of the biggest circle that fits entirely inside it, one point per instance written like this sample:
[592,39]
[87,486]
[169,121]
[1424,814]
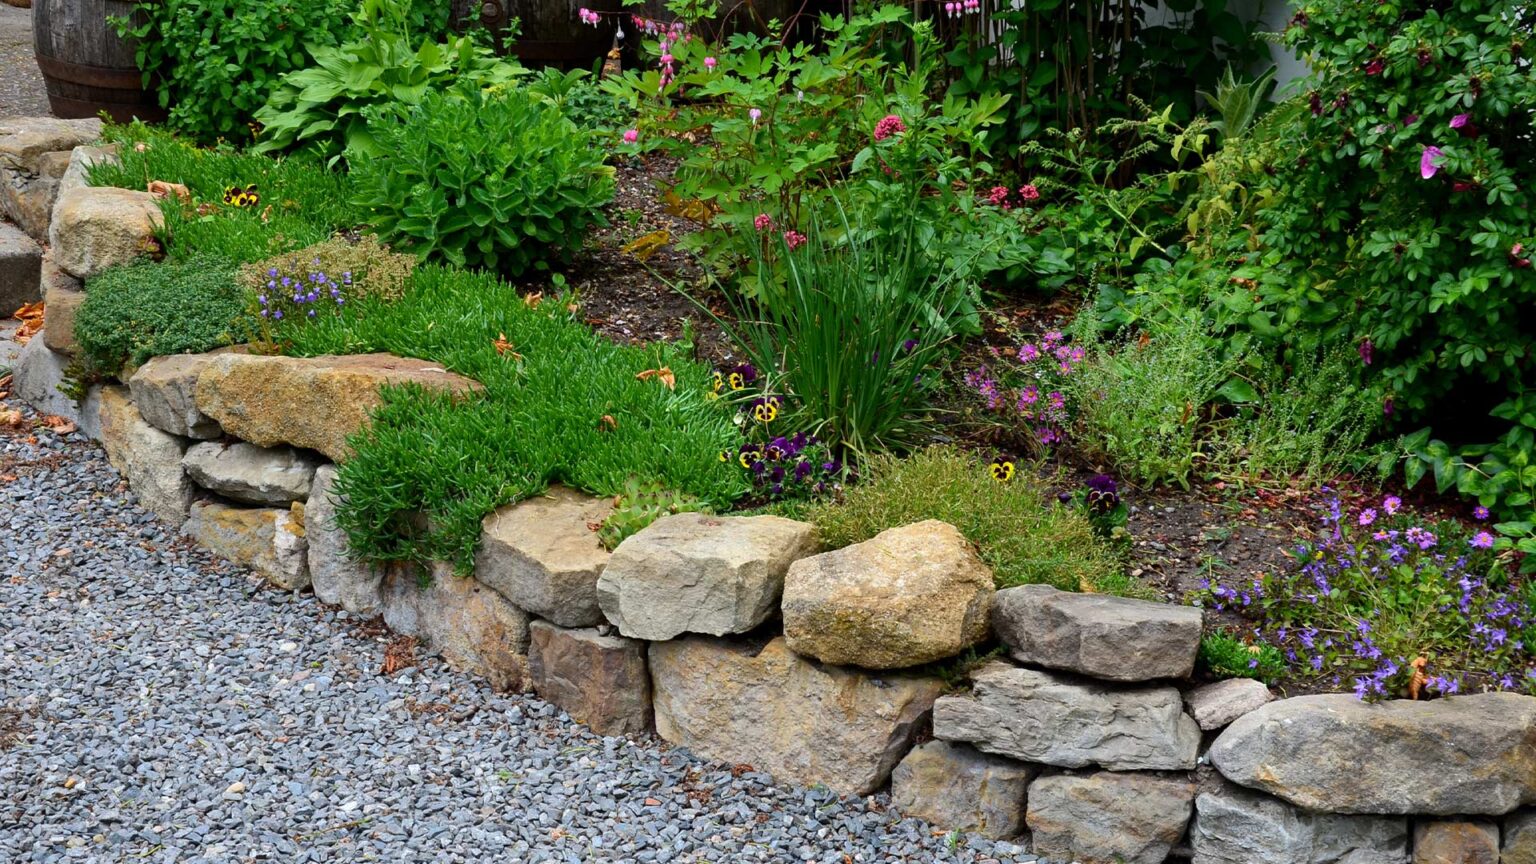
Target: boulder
[97,227]
[42,378]
[63,295]
[1446,842]
[336,577]
[543,554]
[251,474]
[1041,717]
[908,596]
[1463,755]
[148,458]
[696,573]
[165,389]
[1216,705]
[20,265]
[1236,826]
[801,722]
[309,402]
[598,680]
[34,155]
[1114,638]
[951,786]
[81,160]
[1108,818]
[474,628]
[266,539]
[1519,838]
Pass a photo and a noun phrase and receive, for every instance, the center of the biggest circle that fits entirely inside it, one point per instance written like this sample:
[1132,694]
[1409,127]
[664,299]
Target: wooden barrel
[87,68]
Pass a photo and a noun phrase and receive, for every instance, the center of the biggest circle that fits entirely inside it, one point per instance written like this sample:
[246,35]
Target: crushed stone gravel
[21,82]
[160,705]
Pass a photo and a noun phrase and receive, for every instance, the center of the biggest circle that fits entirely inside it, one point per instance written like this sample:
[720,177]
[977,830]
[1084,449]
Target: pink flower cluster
[889,125]
[587,16]
[1000,196]
[794,239]
[763,222]
[667,36]
[1040,400]
[963,7]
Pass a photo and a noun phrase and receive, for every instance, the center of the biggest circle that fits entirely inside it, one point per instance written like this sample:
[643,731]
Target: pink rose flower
[1429,162]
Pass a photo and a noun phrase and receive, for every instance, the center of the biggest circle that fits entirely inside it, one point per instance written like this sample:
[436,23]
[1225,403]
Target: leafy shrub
[561,404]
[1388,605]
[1022,533]
[501,181]
[640,504]
[368,267]
[213,62]
[581,100]
[1226,656]
[324,105]
[140,311]
[299,202]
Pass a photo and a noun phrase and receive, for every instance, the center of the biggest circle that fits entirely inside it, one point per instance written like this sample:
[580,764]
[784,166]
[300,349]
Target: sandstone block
[1108,818]
[544,556]
[1114,638]
[598,680]
[953,787]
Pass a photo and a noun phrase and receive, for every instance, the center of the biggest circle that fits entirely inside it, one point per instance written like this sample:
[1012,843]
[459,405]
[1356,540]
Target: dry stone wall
[744,641]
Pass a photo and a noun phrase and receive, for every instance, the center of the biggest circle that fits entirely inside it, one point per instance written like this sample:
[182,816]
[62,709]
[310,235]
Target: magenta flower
[1367,351]
[1460,120]
[1392,504]
[1429,162]
[709,63]
[1367,516]
[999,196]
[1028,192]
[889,125]
[762,222]
[1480,512]
[794,239]
[631,135]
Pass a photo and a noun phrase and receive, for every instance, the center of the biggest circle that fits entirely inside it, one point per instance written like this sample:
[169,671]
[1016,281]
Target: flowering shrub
[501,181]
[1388,606]
[373,270]
[1025,386]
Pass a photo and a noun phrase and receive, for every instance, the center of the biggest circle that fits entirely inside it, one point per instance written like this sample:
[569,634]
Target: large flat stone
[598,680]
[1108,818]
[251,474]
[41,378]
[1455,842]
[98,227]
[543,554]
[907,596]
[34,155]
[268,540]
[696,573]
[1041,717]
[165,389]
[801,722]
[23,140]
[148,458]
[472,626]
[21,262]
[309,402]
[63,295]
[1217,704]
[336,577]
[1236,826]
[951,786]
[1114,638]
[1463,755]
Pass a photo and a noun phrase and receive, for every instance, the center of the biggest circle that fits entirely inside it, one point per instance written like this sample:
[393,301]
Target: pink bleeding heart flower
[631,135]
[1429,162]
[709,63]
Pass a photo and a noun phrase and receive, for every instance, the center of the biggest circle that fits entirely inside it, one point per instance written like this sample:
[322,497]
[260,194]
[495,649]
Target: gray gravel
[159,705]
[21,82]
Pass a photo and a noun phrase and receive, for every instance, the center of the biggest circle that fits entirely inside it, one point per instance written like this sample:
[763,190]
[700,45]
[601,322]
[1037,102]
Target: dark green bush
[140,311]
[502,181]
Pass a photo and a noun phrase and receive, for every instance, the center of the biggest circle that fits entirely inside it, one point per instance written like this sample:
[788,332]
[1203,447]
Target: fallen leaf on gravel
[59,425]
[10,417]
[400,654]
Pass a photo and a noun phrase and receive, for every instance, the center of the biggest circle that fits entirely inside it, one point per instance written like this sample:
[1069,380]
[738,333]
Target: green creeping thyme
[138,311]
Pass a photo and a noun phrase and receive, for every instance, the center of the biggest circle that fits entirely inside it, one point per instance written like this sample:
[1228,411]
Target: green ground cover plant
[561,404]
[144,310]
[497,180]
[1023,533]
[1223,655]
[298,202]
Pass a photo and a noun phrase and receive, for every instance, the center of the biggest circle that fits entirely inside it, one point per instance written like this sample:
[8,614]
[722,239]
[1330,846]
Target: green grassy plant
[140,311]
[1022,533]
[1225,656]
[561,404]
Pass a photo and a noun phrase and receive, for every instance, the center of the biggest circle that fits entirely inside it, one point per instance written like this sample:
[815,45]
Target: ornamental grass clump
[1386,605]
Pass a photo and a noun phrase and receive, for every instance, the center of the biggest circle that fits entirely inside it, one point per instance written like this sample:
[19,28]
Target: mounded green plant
[1226,656]
[561,404]
[640,504]
[323,106]
[1022,532]
[496,180]
[361,263]
[139,311]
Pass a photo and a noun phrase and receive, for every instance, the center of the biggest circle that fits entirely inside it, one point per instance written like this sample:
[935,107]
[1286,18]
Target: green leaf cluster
[139,311]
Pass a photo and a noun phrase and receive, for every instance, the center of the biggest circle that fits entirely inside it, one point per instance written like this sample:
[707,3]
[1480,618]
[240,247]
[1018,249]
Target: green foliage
[1380,593]
[323,105]
[139,311]
[851,339]
[640,504]
[1226,656]
[213,62]
[1023,534]
[1236,103]
[300,204]
[1066,64]
[581,100]
[561,404]
[501,181]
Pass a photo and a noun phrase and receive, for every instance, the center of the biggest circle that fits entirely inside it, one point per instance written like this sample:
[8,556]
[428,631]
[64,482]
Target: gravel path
[21,83]
[159,705]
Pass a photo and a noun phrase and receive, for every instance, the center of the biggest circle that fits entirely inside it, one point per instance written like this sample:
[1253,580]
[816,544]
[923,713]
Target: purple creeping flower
[1367,516]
